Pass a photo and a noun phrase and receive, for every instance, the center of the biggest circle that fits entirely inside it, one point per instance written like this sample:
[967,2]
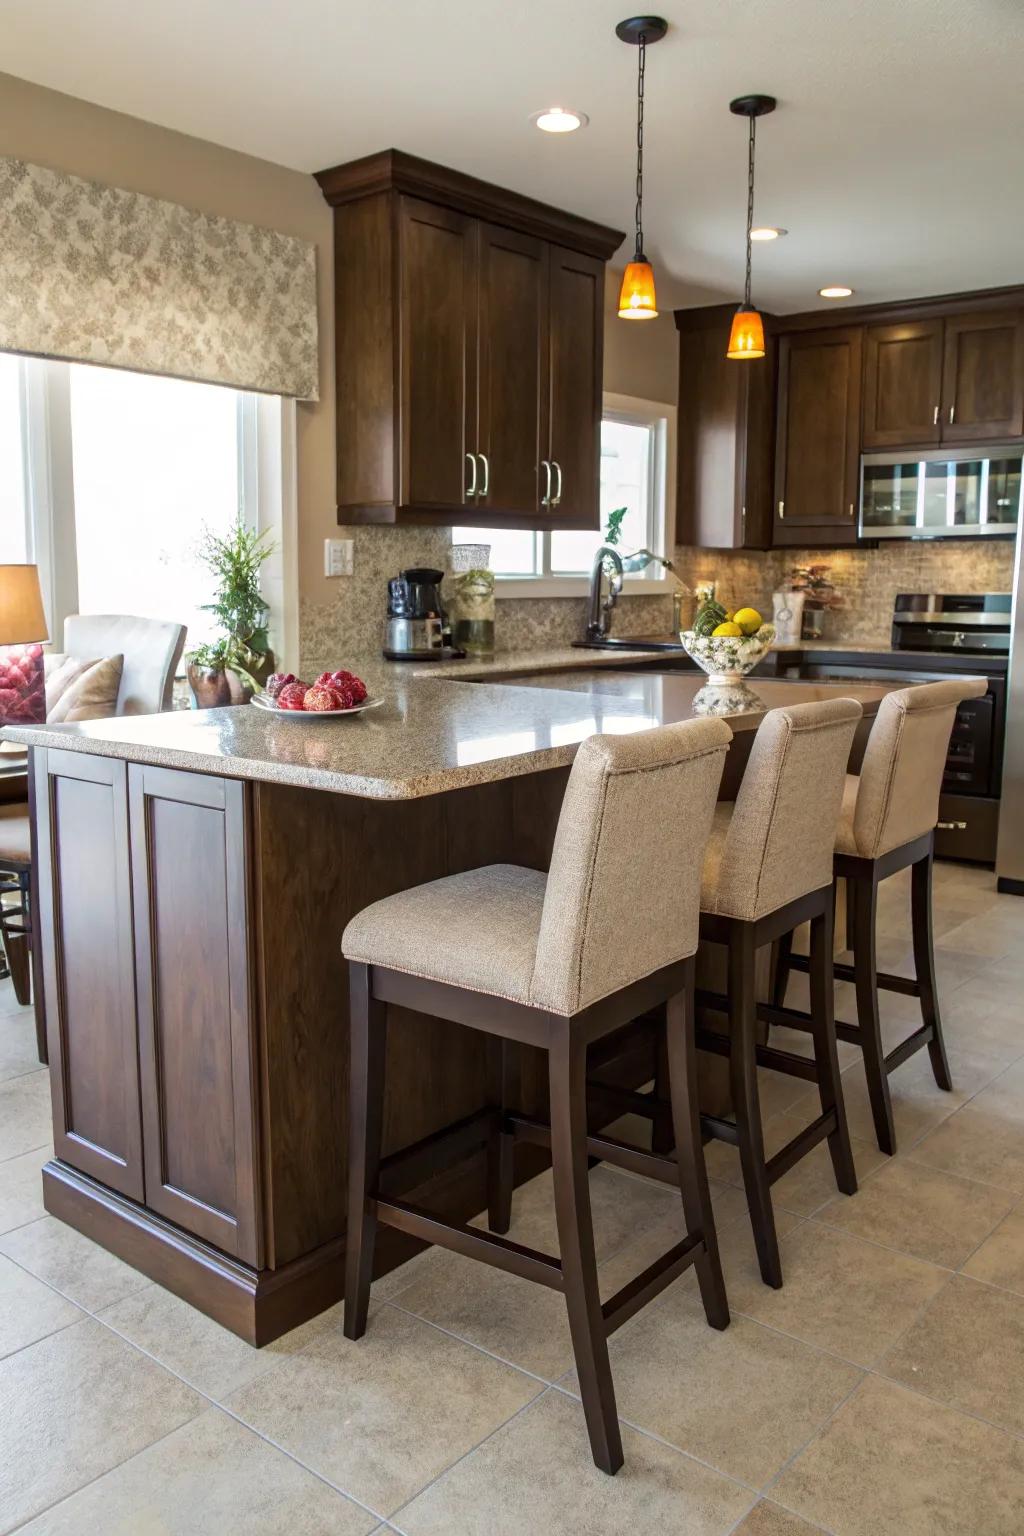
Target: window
[109,479]
[637,472]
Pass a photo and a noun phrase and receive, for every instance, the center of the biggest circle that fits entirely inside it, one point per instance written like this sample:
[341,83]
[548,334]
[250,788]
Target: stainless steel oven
[938,495]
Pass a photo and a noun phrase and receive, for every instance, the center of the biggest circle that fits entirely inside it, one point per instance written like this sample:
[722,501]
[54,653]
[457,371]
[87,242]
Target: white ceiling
[894,158]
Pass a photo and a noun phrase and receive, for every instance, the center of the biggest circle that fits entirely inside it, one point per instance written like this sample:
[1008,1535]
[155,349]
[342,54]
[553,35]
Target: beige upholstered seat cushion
[608,914]
[895,799]
[15,847]
[477,930]
[77,689]
[776,843]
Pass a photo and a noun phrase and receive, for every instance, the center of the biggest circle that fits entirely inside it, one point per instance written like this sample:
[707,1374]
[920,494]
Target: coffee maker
[417,627]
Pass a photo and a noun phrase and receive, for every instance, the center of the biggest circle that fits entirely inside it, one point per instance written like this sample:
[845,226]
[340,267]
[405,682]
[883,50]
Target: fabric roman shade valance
[95,274]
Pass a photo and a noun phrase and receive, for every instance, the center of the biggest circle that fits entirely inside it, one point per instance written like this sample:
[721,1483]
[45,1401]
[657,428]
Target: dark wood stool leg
[782,950]
[826,1054]
[746,1102]
[862,894]
[567,1075]
[662,1138]
[365,1120]
[924,966]
[501,1142]
[681,1053]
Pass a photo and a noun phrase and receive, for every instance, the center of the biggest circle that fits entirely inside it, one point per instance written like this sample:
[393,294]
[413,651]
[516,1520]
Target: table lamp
[22,632]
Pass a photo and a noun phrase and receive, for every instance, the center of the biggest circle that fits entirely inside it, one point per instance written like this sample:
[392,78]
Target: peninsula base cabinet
[196,1003]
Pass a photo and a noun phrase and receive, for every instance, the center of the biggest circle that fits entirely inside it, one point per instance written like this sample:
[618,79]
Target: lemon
[729,629]
[748,619]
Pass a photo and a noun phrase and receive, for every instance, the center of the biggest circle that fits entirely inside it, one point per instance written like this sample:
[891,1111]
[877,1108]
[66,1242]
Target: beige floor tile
[977,1143]
[967,1350]
[1000,1259]
[25,1114]
[812,1182]
[622,1207]
[983,1018]
[74,1405]
[21,1188]
[920,1211]
[196,1348]
[991,935]
[743,1400]
[71,1263]
[768,1519]
[211,1476]
[29,1310]
[840,1293]
[536,1474]
[381,1417]
[18,1051]
[891,1463]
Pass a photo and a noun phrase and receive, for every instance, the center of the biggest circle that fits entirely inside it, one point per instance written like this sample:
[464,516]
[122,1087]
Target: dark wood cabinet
[196,1026]
[983,377]
[726,420]
[469,339]
[84,919]
[903,384]
[817,446]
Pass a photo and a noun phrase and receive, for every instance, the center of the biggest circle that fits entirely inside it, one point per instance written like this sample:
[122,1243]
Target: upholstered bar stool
[768,868]
[555,961]
[887,823]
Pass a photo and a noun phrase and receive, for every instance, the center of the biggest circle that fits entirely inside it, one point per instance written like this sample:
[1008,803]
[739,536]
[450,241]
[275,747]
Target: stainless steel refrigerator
[1010,850]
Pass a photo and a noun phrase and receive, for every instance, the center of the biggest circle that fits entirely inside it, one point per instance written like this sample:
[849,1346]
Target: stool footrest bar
[652,1280]
[767,1055]
[500,1252]
[721,1130]
[435,1152]
[794,1150]
[652,1165]
[908,1047]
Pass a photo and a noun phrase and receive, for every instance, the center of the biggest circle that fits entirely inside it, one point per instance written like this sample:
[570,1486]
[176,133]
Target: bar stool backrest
[782,832]
[623,892]
[901,775]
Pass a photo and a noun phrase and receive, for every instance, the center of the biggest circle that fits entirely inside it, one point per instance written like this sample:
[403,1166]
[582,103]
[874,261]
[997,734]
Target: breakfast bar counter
[195,872]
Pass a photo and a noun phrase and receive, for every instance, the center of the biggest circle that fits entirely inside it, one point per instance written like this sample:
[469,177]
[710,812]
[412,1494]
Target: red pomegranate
[278,680]
[292,696]
[321,698]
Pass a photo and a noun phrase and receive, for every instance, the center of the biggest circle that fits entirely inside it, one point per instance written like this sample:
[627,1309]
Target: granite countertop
[438,729]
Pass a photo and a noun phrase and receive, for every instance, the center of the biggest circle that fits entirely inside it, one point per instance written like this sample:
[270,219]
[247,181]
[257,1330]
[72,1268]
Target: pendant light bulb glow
[637,297]
[746,338]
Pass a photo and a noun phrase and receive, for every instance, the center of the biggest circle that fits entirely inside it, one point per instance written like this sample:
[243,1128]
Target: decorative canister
[787,616]
[472,588]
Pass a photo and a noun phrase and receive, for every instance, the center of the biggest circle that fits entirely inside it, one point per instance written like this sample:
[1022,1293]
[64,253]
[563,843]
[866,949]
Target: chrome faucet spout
[600,610]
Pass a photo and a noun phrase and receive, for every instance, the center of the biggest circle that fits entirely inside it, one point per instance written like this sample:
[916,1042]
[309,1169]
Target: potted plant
[820,596]
[231,669]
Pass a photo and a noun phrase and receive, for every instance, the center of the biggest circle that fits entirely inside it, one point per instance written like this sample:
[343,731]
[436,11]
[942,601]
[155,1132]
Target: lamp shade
[22,620]
[746,339]
[637,300]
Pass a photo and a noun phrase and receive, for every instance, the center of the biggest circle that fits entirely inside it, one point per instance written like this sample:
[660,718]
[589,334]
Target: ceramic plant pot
[214,687]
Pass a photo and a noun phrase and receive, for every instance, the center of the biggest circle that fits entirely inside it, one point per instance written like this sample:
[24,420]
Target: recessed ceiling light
[834,291]
[767,232]
[559,120]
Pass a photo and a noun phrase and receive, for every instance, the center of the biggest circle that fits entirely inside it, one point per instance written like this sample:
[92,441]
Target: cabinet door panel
[189,870]
[438,375]
[513,375]
[85,936]
[902,384]
[577,338]
[818,442]
[983,378]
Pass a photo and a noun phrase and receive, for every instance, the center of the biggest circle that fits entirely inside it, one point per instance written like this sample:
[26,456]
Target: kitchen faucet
[600,612]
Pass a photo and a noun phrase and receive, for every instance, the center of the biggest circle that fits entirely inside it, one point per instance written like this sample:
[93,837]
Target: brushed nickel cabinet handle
[951,826]
[851,508]
[935,417]
[782,509]
[557,497]
[487,474]
[471,491]
[545,500]
[952,414]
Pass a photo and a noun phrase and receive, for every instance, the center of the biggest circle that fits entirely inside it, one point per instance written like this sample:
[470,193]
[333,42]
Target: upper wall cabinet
[469,327]
[817,444]
[902,384]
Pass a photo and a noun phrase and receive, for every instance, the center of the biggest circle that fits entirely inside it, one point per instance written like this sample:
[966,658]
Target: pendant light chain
[642,65]
[750,209]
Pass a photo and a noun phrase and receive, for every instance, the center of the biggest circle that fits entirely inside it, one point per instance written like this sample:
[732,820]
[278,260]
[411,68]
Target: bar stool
[887,823]
[768,868]
[556,961]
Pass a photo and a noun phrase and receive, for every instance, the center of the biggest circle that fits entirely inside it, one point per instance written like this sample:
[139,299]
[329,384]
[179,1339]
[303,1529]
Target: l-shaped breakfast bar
[194,873]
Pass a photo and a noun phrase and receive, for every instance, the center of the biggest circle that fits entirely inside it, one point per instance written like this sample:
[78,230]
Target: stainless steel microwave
[934,494]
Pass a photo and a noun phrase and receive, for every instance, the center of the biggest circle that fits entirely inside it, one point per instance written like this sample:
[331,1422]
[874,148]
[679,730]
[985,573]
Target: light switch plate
[339,557]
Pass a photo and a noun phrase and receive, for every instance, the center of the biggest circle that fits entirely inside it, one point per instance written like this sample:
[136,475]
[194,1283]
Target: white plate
[270,708]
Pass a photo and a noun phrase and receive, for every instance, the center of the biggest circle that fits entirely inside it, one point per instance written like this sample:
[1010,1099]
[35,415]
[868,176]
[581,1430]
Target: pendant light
[637,300]
[746,339]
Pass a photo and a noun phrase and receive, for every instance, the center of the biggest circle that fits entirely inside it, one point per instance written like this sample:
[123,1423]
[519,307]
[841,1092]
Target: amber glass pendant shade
[746,339]
[637,299]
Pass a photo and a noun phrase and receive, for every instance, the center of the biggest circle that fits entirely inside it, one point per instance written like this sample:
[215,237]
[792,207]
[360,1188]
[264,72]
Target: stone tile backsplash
[867,578]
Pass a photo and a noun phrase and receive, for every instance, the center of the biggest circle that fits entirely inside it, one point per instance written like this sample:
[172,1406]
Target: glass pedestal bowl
[727,658]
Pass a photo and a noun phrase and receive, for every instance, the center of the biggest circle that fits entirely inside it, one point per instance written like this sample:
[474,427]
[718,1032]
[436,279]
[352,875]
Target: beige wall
[640,356]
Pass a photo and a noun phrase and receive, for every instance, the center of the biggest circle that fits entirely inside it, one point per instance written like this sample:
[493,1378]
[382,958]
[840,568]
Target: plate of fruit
[333,694]
[727,644]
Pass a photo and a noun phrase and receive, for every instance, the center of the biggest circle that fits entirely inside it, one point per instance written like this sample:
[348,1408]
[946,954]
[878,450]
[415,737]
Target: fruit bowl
[727,658]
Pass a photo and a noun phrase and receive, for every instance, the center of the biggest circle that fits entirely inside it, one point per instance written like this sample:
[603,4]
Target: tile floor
[882,1390]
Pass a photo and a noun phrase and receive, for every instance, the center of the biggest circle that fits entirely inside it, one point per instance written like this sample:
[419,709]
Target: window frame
[634,410]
